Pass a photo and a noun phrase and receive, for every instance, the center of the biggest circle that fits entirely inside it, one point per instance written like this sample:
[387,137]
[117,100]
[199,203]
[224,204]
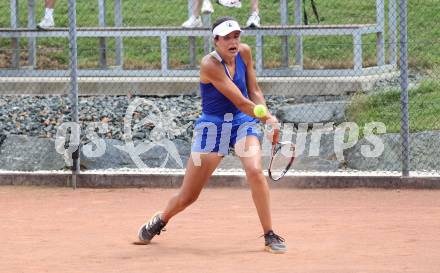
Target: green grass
[424,108]
[328,52]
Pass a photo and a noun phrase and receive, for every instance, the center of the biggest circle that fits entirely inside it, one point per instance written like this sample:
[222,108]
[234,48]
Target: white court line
[225,172]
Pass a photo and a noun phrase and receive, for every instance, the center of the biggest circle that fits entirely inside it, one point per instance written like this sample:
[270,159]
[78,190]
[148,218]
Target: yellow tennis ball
[260,111]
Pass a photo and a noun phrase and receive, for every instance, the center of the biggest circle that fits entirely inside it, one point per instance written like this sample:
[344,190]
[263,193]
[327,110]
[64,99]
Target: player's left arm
[254,90]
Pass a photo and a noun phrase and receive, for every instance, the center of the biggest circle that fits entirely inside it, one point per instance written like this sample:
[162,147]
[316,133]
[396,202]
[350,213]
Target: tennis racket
[283,155]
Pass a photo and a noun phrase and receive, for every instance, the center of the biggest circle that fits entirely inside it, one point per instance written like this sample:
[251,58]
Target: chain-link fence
[355,83]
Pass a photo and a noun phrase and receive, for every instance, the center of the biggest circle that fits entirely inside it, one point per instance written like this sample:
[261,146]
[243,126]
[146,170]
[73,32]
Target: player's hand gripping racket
[283,155]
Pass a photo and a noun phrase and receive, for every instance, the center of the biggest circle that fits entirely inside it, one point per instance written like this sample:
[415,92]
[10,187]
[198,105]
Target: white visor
[225,28]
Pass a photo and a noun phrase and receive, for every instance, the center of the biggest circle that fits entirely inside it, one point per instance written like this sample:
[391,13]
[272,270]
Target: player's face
[228,45]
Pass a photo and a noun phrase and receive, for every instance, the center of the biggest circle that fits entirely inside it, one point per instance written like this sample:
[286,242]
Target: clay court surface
[92,230]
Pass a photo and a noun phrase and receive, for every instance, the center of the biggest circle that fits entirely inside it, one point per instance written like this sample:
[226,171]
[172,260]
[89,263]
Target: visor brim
[227,31]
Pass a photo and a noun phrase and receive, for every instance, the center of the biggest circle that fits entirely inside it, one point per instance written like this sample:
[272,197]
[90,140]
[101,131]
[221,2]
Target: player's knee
[254,172]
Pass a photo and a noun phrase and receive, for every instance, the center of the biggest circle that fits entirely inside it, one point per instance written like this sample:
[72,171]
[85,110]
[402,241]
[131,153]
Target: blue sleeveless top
[214,102]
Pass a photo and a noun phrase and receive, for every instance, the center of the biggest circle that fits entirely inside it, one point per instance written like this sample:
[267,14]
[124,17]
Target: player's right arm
[212,71]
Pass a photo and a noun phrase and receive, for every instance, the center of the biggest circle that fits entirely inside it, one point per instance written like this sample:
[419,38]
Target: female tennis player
[229,92]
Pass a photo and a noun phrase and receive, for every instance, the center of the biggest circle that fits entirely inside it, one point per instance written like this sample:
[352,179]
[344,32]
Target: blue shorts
[217,134]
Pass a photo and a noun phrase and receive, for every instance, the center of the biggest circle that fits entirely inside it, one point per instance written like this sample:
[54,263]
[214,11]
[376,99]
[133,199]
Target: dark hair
[221,20]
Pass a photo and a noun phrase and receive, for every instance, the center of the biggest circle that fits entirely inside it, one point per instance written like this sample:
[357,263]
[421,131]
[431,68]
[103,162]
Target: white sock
[49,13]
[255,13]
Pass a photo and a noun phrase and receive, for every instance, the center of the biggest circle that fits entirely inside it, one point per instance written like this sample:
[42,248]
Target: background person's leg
[194,20]
[47,21]
[254,18]
[207,7]
[49,4]
[254,6]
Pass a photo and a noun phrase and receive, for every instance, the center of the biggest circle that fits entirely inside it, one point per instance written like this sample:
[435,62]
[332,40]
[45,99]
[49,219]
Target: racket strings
[281,160]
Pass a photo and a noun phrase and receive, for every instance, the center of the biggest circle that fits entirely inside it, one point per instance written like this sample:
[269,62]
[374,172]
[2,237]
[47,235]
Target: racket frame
[275,148]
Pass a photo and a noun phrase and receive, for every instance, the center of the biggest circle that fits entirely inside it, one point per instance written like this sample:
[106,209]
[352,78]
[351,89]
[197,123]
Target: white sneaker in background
[193,22]
[207,7]
[46,23]
[230,3]
[253,21]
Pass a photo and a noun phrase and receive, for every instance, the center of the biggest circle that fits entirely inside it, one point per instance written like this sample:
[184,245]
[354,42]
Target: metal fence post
[403,11]
[102,40]
[32,44]
[357,51]
[74,84]
[207,39]
[259,55]
[380,22]
[299,60]
[164,54]
[118,40]
[15,43]
[392,28]
[284,14]
[192,39]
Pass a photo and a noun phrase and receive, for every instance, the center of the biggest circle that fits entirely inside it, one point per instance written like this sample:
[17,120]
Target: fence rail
[356,31]
[284,30]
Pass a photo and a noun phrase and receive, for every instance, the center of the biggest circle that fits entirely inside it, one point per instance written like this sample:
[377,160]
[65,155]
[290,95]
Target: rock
[24,153]
[313,99]
[138,135]
[315,164]
[313,112]
[321,136]
[425,148]
[231,162]
[112,158]
[117,156]
[159,155]
[316,156]
[425,151]
[319,156]
[2,139]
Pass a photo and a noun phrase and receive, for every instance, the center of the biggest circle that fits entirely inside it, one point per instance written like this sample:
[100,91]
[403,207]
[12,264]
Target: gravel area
[42,115]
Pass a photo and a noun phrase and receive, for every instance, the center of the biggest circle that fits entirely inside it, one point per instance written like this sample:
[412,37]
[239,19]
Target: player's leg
[193,182]
[249,151]
[195,178]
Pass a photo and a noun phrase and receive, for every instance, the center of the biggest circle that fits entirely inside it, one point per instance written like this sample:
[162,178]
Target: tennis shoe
[151,229]
[207,7]
[46,23]
[253,21]
[193,22]
[230,3]
[274,243]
